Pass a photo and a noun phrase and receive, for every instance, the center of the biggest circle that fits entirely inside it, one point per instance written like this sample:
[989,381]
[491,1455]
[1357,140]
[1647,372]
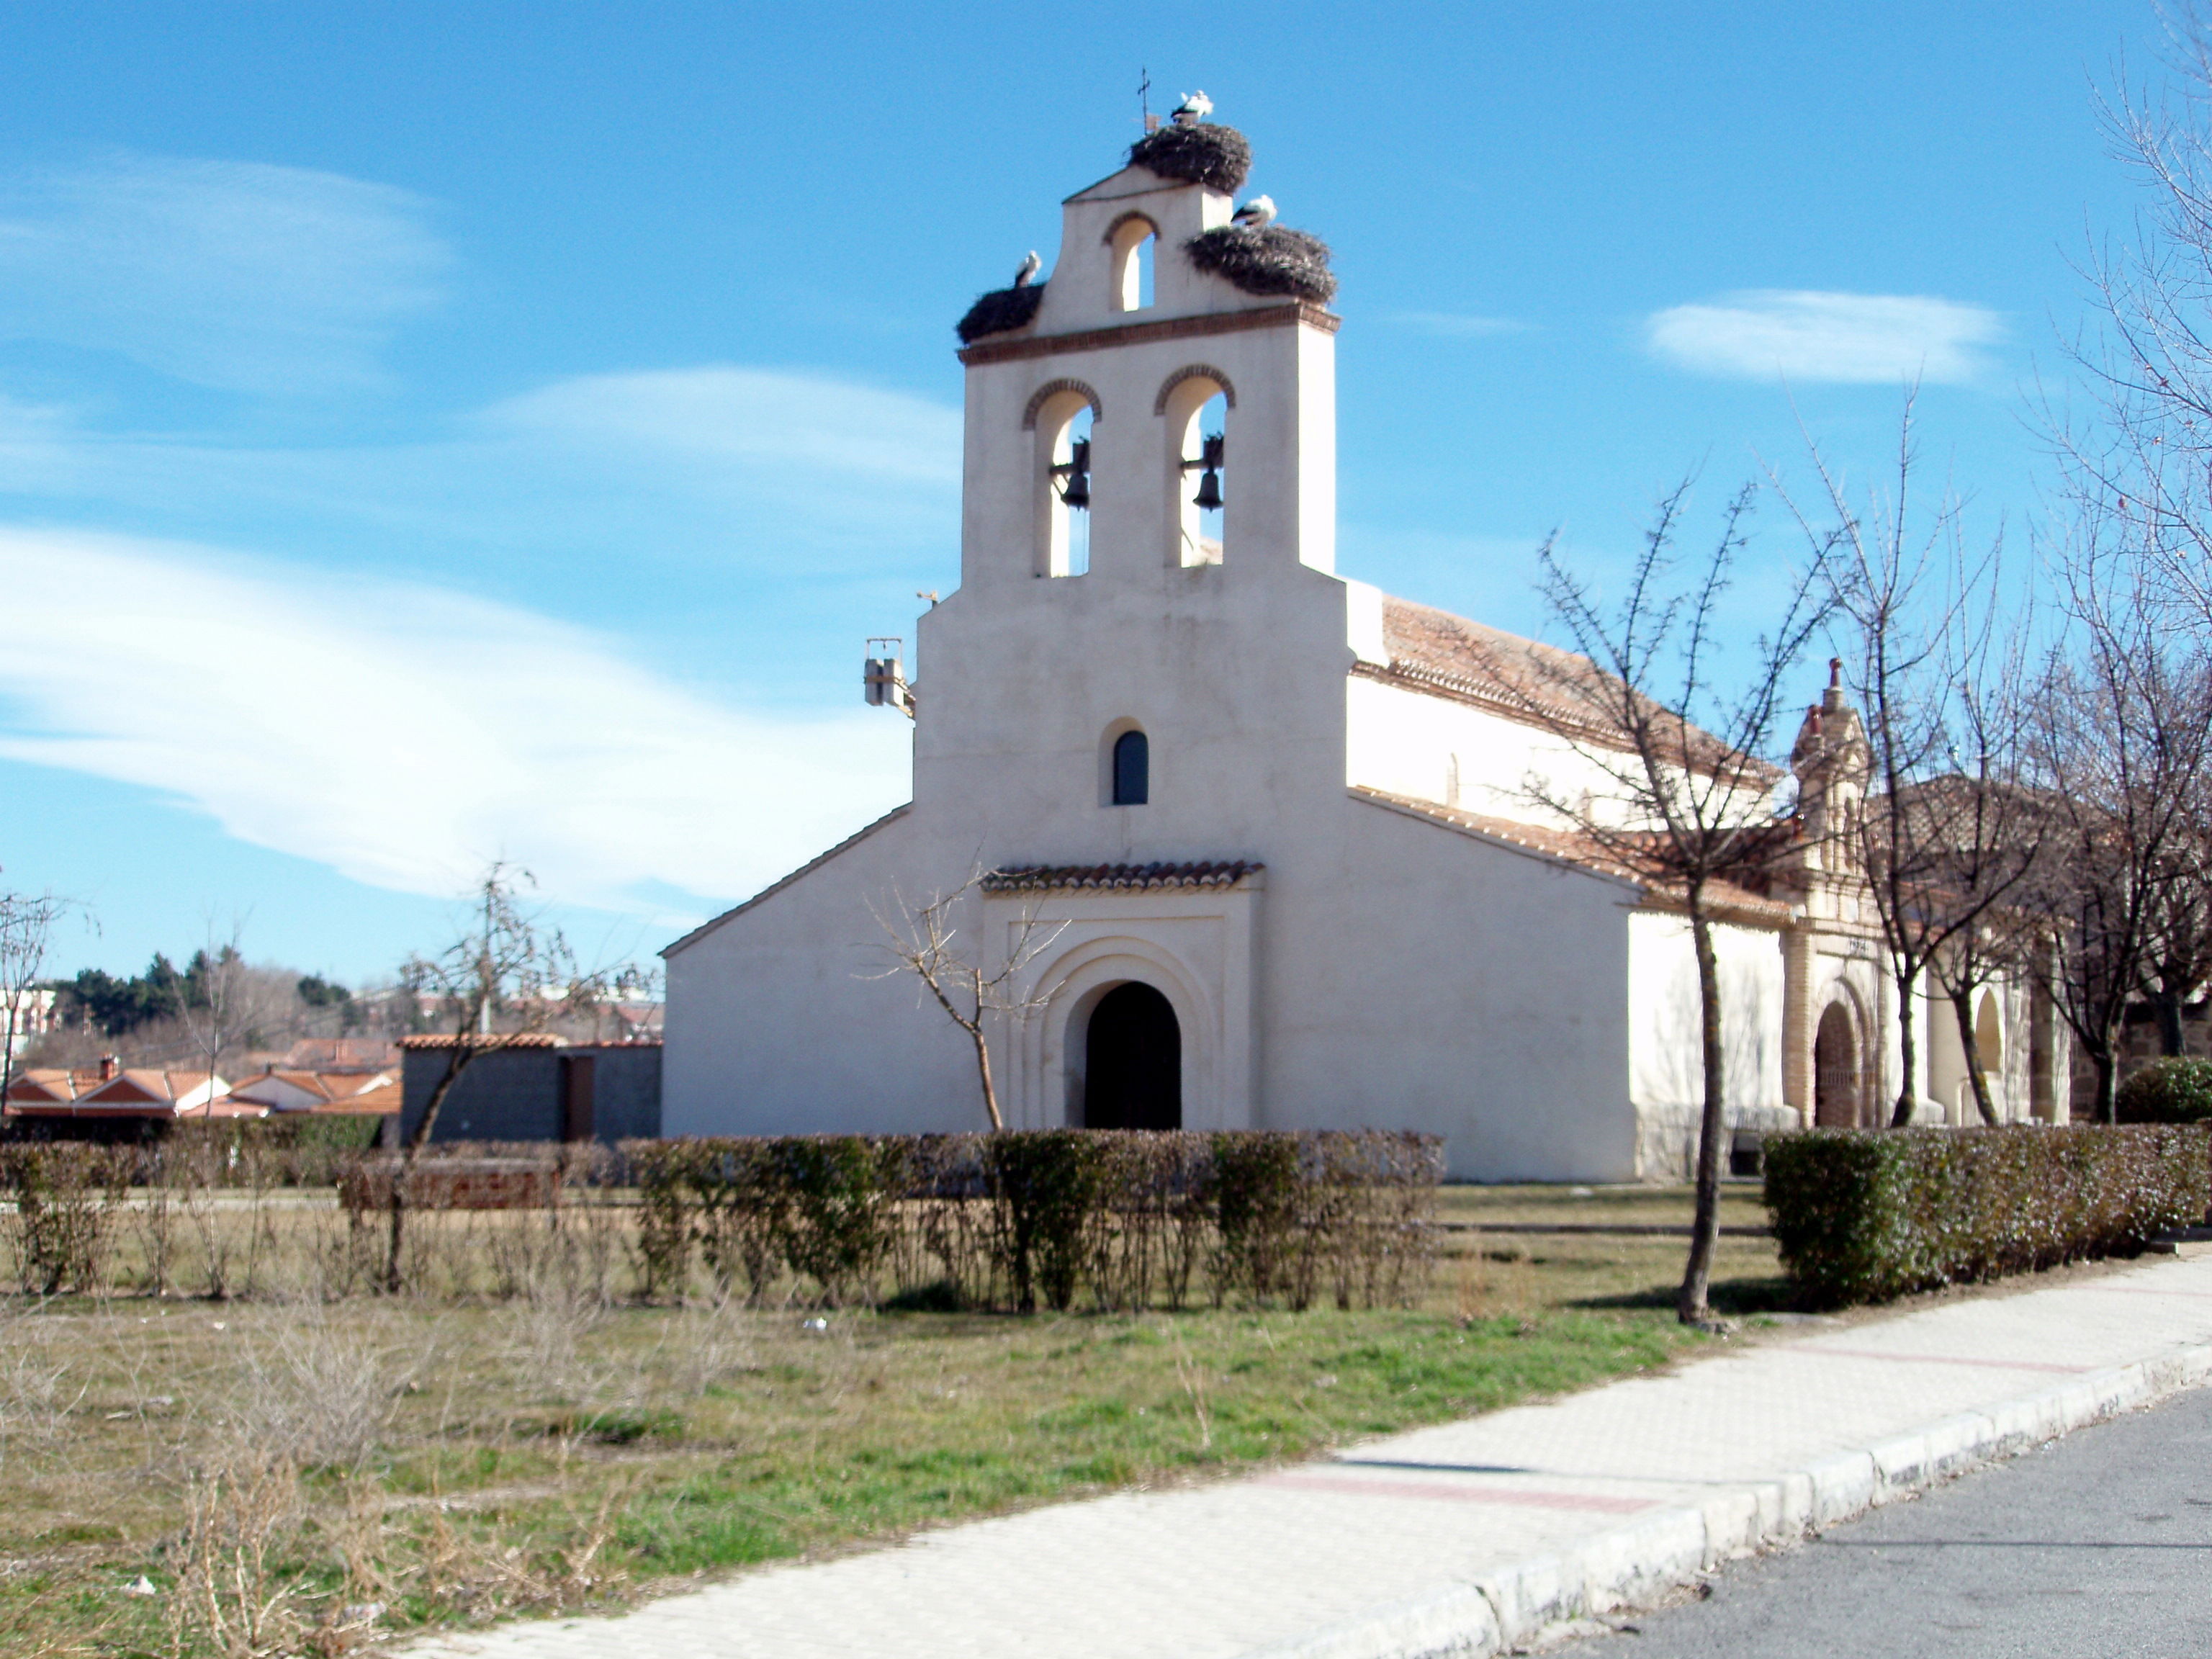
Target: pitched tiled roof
[44,1084]
[1727,900]
[495,1040]
[1522,679]
[341,1055]
[320,1086]
[1036,878]
[145,1085]
[379,1102]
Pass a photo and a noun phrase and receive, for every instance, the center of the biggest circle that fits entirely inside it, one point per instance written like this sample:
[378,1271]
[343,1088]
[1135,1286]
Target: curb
[1636,1566]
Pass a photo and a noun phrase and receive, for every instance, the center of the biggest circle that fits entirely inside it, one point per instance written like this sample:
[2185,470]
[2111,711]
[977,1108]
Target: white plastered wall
[1667,1048]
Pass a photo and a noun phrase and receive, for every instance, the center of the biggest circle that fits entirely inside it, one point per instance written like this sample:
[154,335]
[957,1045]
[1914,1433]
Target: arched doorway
[1132,1062]
[1836,1070]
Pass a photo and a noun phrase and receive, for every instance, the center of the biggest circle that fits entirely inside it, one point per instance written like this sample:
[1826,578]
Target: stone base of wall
[1666,1136]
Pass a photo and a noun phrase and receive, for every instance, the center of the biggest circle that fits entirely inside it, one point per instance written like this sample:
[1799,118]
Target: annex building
[1273,824]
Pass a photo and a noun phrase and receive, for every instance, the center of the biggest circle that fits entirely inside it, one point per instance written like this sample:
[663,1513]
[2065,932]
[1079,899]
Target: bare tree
[26,931]
[2148,363]
[217,1011]
[1689,804]
[2121,742]
[2180,959]
[1983,898]
[503,981]
[1946,838]
[953,968]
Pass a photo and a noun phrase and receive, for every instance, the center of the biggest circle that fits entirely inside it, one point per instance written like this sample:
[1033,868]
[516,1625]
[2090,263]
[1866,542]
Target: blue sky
[434,432]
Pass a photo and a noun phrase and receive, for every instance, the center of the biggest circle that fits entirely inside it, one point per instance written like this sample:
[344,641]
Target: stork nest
[1272,260]
[999,311]
[1217,157]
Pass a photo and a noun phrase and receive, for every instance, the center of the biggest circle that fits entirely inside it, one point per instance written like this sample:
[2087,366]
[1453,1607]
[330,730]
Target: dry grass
[309,1471]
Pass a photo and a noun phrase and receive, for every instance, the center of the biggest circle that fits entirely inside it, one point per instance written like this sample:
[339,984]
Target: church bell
[1075,485]
[1208,499]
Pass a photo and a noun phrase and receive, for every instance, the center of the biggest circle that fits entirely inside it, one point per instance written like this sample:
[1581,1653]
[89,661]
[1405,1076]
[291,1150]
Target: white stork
[1195,107]
[1255,215]
[1027,274]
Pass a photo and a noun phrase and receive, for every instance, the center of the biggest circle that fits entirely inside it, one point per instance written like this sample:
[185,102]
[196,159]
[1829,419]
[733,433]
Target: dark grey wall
[515,1094]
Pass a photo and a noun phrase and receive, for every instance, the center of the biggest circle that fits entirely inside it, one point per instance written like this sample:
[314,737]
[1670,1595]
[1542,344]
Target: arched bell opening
[1195,404]
[1838,1087]
[1131,1050]
[1063,484]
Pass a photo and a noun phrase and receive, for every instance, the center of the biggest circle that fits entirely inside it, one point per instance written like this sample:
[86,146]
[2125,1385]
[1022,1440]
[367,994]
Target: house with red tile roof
[280,1089]
[114,1092]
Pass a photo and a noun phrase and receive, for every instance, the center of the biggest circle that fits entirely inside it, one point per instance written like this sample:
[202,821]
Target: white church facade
[1272,825]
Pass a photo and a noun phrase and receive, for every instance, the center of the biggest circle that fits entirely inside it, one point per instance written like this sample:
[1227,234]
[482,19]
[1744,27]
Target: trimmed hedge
[2168,1091]
[1869,1215]
[1041,1217]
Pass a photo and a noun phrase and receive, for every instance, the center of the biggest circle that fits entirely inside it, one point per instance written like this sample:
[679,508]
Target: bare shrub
[232,1597]
[38,1389]
[549,1326]
[316,1393]
[707,1343]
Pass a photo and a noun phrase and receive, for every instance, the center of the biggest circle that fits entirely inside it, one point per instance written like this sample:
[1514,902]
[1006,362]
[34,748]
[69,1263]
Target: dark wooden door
[1133,1062]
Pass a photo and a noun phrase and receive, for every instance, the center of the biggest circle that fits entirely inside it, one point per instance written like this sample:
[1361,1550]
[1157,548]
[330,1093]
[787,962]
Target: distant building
[536,1087]
[36,1015]
[344,1054]
[119,1094]
[277,1090]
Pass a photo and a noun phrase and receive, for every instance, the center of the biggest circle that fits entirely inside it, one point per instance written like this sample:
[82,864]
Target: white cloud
[750,417]
[1802,336]
[228,274]
[404,735]
[646,463]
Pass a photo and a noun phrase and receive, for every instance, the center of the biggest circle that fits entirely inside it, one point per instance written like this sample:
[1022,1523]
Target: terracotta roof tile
[494,1040]
[1037,877]
[1728,899]
[1520,679]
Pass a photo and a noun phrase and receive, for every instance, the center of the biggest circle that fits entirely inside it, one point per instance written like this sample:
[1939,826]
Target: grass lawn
[376,1465]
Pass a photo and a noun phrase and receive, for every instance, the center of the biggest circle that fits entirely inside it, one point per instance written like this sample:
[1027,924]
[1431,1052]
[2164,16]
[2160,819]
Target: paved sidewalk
[1461,1539]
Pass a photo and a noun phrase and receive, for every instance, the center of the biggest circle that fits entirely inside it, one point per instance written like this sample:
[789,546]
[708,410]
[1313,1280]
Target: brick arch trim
[1052,389]
[1193,372]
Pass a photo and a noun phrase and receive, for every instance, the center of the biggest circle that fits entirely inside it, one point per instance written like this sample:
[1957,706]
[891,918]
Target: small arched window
[1132,769]
[1131,242]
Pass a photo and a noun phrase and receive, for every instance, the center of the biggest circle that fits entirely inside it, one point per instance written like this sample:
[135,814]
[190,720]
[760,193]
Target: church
[1250,843]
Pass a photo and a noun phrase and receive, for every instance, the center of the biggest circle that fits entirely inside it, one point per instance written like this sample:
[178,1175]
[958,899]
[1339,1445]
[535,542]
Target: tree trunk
[2172,1042]
[1691,1306]
[983,1071]
[1962,1008]
[1909,1051]
[462,1053]
[2106,1109]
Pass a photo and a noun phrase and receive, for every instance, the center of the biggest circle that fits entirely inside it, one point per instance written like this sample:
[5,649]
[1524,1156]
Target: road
[2099,1544]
